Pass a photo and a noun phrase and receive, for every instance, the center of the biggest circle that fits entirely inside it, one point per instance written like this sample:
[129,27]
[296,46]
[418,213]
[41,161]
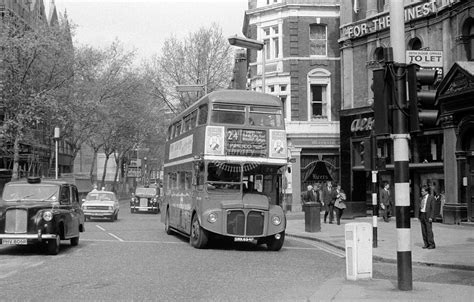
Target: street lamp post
[56,140]
[251,44]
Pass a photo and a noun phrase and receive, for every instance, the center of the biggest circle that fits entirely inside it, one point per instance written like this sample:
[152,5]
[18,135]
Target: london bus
[224,160]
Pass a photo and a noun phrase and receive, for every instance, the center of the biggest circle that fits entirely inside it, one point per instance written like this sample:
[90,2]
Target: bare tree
[203,58]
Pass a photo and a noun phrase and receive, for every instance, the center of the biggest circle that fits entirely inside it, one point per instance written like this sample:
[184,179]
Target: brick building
[302,67]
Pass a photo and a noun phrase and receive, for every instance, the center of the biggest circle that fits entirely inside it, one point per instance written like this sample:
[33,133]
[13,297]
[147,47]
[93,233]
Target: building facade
[438,33]
[302,67]
[37,150]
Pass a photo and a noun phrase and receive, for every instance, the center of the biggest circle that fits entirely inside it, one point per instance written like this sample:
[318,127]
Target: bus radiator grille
[255,222]
[236,222]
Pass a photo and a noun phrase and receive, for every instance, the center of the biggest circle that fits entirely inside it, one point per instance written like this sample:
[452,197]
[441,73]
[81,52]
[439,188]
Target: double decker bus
[224,160]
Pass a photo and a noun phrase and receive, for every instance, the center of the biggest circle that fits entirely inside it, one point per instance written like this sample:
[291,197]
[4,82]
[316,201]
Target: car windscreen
[25,192]
[145,191]
[100,196]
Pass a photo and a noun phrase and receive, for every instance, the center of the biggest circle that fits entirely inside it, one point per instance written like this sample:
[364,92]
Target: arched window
[379,55]
[468,38]
[415,44]
[319,95]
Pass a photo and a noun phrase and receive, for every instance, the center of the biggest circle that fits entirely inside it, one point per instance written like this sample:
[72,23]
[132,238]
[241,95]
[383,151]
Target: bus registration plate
[243,239]
[14,241]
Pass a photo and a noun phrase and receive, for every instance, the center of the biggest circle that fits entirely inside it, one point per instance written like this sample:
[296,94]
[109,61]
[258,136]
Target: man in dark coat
[329,197]
[385,200]
[426,215]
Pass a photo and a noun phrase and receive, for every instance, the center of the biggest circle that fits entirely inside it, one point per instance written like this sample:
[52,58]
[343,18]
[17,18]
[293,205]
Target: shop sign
[382,21]
[425,58]
[362,124]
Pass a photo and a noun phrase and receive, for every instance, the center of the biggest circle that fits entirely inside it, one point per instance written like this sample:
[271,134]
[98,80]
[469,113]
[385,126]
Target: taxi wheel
[53,245]
[199,236]
[274,244]
[75,241]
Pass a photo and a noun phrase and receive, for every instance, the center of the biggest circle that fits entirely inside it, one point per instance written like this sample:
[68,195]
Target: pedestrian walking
[329,197]
[339,204]
[426,215]
[386,201]
[317,191]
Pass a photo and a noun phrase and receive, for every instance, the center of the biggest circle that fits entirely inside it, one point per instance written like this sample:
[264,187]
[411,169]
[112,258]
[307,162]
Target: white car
[100,204]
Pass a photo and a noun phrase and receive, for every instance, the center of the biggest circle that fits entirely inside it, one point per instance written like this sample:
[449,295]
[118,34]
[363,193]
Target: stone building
[438,34]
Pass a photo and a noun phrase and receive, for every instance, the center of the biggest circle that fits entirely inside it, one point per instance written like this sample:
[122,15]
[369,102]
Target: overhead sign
[190,88]
[425,58]
[382,21]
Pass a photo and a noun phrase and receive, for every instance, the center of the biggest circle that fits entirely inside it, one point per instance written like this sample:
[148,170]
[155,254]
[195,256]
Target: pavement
[454,250]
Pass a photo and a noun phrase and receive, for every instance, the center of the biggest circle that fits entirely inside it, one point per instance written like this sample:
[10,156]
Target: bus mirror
[292,160]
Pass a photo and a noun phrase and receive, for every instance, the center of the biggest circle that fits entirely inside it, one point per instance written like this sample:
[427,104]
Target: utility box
[358,237]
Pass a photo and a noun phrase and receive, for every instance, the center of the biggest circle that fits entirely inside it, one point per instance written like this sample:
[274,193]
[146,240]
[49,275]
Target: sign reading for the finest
[382,21]
[246,142]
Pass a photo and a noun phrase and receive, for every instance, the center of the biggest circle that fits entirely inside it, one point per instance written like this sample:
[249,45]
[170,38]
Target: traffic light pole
[401,148]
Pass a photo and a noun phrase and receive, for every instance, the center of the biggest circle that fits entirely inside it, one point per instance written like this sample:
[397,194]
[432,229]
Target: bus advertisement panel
[224,160]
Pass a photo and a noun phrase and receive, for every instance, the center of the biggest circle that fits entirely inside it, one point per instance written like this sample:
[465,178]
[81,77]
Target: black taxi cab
[145,199]
[40,211]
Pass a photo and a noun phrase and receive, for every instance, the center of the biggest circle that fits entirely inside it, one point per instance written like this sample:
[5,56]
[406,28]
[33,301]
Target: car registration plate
[243,239]
[14,241]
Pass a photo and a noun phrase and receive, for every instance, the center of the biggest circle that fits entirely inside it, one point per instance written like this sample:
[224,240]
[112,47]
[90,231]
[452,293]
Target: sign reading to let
[425,58]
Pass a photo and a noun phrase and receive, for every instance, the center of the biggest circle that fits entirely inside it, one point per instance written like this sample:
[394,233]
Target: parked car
[145,199]
[101,204]
[40,211]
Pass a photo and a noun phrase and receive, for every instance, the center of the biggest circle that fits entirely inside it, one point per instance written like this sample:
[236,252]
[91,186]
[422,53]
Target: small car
[101,204]
[145,199]
[40,211]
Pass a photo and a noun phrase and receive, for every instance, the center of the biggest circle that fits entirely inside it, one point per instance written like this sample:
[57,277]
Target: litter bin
[312,217]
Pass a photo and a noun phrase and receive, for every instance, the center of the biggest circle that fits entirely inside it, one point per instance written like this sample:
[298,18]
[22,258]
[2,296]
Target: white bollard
[358,250]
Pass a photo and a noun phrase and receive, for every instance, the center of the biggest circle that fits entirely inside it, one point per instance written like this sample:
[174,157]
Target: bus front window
[266,117]
[223,178]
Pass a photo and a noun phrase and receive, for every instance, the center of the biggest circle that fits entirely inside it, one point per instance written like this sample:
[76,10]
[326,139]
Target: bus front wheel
[274,243]
[199,236]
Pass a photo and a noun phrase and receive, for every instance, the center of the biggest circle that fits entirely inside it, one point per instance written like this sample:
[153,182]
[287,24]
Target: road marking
[116,237]
[322,246]
[99,227]
[133,241]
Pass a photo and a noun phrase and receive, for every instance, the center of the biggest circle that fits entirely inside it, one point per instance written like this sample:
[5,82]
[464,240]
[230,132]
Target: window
[272,42]
[228,114]
[318,40]
[188,180]
[414,44]
[181,180]
[266,117]
[203,109]
[283,100]
[319,96]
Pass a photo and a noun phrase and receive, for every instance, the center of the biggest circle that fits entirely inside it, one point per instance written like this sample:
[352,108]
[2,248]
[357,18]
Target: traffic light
[421,101]
[365,148]
[382,88]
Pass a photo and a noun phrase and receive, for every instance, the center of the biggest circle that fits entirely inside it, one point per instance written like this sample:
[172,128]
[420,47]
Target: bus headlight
[212,217]
[47,216]
[276,220]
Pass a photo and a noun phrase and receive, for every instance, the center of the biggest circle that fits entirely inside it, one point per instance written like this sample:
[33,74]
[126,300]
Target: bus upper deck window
[266,117]
[228,114]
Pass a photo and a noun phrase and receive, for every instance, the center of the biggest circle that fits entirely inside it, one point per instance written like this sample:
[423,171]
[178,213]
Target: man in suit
[385,200]
[329,197]
[426,216]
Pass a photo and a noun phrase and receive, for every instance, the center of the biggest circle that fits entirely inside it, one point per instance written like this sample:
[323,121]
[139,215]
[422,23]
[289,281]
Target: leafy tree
[33,64]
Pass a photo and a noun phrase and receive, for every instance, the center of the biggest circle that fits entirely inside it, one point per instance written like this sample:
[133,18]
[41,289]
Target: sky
[144,25]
